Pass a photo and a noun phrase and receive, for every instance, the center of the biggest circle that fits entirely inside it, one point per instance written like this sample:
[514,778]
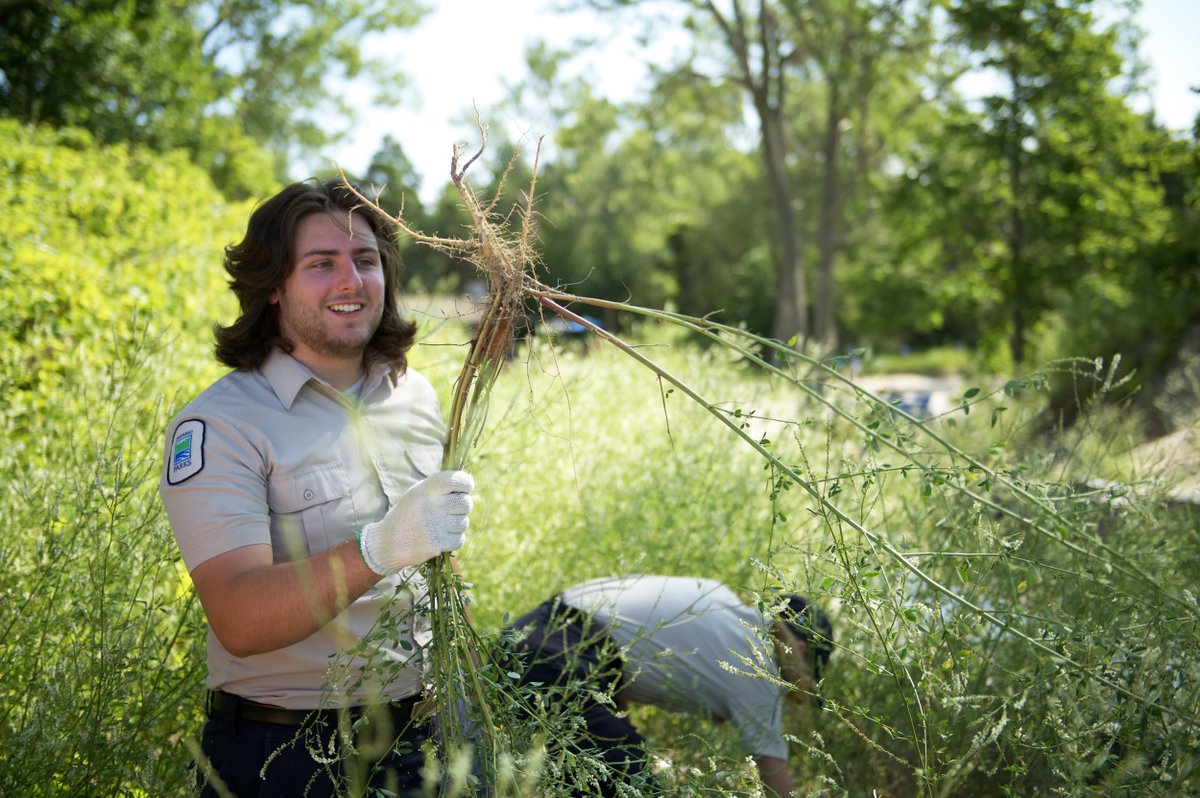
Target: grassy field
[1000,628]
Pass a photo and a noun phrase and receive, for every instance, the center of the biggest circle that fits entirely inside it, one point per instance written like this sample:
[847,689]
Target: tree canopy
[240,84]
[810,170]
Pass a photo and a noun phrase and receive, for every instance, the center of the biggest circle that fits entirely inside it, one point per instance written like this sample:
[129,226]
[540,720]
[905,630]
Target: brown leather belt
[221,704]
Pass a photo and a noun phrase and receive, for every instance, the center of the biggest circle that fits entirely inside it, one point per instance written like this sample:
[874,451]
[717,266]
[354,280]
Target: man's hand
[775,776]
[431,518]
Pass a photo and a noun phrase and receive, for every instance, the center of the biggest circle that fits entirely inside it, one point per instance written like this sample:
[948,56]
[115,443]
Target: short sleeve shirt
[276,456]
[674,634]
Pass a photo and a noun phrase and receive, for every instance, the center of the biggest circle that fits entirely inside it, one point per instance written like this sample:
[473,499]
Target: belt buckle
[217,703]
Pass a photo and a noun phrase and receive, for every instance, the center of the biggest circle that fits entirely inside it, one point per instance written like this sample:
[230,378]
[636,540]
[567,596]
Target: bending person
[662,640]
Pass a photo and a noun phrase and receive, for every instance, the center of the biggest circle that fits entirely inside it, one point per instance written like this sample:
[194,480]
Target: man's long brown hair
[261,262]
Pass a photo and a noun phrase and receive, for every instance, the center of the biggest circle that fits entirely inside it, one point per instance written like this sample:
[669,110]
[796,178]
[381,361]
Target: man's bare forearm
[255,606]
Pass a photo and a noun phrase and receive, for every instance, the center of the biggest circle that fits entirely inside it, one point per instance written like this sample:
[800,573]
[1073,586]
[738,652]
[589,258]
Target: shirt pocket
[311,510]
[425,460]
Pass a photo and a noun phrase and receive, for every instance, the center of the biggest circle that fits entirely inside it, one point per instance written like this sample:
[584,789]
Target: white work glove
[429,519]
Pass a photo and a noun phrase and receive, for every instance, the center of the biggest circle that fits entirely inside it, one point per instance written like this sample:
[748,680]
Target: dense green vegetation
[112,283]
[1001,629]
[1012,583]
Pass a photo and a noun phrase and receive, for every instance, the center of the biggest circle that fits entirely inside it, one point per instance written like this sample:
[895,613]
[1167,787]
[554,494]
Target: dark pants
[256,759]
[564,650]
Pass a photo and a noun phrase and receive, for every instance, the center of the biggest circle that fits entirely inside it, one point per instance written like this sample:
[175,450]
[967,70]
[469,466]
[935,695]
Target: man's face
[332,301]
[795,664]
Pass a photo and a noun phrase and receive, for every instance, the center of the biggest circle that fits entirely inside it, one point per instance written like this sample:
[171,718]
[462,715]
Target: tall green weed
[101,637]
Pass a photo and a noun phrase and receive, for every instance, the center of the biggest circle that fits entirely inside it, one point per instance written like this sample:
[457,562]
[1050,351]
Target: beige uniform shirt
[277,456]
[676,635]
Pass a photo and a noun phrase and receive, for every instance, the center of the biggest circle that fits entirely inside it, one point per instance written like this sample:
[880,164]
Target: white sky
[467,51]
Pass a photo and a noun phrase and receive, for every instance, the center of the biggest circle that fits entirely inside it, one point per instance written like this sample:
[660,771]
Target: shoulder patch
[187,451]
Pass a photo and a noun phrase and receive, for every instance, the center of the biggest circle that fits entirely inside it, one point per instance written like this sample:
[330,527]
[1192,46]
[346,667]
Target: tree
[922,283]
[758,49]
[124,71]
[218,78]
[392,180]
[651,202]
[711,198]
[865,68]
[837,58]
[599,220]
[1073,185]
[275,59]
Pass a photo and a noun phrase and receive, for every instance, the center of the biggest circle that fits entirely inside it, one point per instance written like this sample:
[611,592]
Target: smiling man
[303,488]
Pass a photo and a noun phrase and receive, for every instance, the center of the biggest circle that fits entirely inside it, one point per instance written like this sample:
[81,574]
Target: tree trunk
[825,307]
[1018,284]
[791,295]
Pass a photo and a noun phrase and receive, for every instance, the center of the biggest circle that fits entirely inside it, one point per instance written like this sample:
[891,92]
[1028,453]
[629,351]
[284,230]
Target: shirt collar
[376,371]
[286,375]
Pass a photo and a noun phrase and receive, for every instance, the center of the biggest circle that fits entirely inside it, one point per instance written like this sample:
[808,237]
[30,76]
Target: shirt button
[308,494]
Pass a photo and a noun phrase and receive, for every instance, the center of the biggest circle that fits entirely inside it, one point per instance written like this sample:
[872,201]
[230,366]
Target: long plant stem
[719,333]
[877,540]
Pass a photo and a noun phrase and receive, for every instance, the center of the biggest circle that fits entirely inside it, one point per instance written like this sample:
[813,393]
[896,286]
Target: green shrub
[111,283]
[95,239]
